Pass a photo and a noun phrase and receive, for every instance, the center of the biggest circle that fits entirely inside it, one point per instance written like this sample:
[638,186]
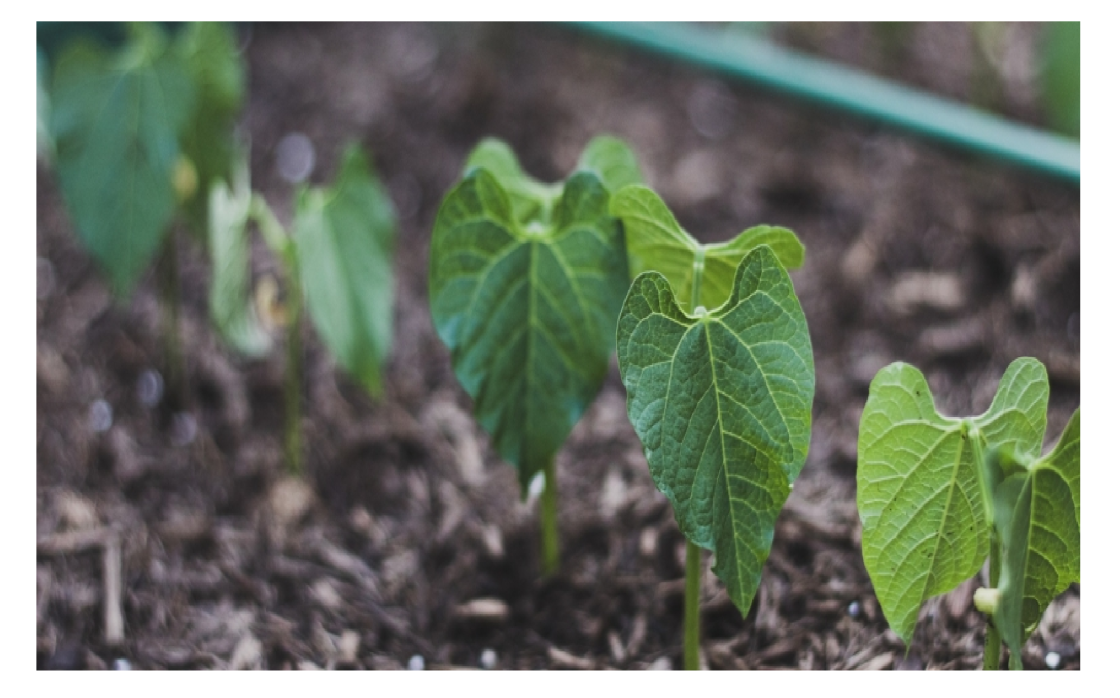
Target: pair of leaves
[721,402]
[119,122]
[340,255]
[655,241]
[925,528]
[1037,511]
[525,284]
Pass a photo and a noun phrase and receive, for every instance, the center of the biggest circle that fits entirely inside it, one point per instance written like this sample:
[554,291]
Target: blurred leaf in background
[116,119]
[1061,76]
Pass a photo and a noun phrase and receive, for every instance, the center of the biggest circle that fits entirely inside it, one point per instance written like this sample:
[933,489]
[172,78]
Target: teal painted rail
[853,91]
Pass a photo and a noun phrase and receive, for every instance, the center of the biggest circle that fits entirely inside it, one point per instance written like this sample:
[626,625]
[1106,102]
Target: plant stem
[550,536]
[993,643]
[692,607]
[293,378]
[169,303]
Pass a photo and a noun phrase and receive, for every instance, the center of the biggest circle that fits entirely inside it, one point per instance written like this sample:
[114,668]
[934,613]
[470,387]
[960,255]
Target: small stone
[1053,660]
[853,609]
[536,485]
[183,428]
[488,659]
[416,663]
[647,542]
[661,664]
[100,416]
[122,664]
[149,388]
[348,645]
[295,157]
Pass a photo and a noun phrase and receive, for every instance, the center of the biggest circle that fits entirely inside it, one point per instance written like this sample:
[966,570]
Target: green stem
[692,607]
[993,643]
[293,378]
[169,303]
[550,536]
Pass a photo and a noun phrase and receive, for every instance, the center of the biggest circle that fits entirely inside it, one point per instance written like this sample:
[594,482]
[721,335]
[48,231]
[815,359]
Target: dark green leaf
[527,306]
[1061,75]
[115,121]
[1038,519]
[655,241]
[917,490]
[721,403]
[209,52]
[344,241]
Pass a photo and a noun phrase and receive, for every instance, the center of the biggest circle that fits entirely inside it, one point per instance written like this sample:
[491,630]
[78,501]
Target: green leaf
[526,306]
[209,52]
[721,403]
[1038,519]
[344,241]
[613,161]
[655,241]
[230,306]
[43,143]
[1061,76]
[115,121]
[917,488]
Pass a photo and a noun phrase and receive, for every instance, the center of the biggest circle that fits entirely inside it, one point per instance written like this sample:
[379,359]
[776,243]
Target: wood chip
[487,609]
[565,660]
[878,663]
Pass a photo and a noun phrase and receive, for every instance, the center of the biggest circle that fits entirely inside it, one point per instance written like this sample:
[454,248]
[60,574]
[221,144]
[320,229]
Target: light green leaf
[115,122]
[613,161]
[1038,519]
[655,241]
[917,488]
[344,241]
[1061,75]
[230,306]
[527,306]
[209,52]
[721,403]
[530,199]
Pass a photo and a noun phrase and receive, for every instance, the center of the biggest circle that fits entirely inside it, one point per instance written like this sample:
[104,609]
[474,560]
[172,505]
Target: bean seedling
[337,259]
[939,495]
[134,135]
[525,283]
[721,397]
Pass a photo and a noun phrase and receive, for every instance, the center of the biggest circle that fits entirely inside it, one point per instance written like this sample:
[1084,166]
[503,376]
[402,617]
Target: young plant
[525,283]
[132,134]
[939,495]
[337,259]
[715,356]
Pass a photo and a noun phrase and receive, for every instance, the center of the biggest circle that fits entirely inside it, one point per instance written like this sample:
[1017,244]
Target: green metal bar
[762,61]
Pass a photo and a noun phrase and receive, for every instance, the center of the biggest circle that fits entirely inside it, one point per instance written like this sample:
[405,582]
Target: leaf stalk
[550,536]
[692,607]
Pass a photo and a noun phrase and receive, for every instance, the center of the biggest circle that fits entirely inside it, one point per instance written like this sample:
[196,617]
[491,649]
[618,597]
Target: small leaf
[721,403]
[115,122]
[344,241]
[525,288]
[1038,519]
[230,306]
[655,241]
[917,492]
[1061,75]
[613,161]
[43,143]
[209,52]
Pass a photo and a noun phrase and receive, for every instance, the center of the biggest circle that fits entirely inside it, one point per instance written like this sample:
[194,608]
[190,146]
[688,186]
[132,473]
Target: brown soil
[408,537]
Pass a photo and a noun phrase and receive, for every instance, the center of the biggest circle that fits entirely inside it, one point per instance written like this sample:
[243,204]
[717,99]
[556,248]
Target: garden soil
[407,542]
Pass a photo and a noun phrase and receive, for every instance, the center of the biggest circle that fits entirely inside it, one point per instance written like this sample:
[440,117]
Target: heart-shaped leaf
[525,284]
[116,121]
[656,242]
[721,403]
[1038,519]
[917,489]
[344,241]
